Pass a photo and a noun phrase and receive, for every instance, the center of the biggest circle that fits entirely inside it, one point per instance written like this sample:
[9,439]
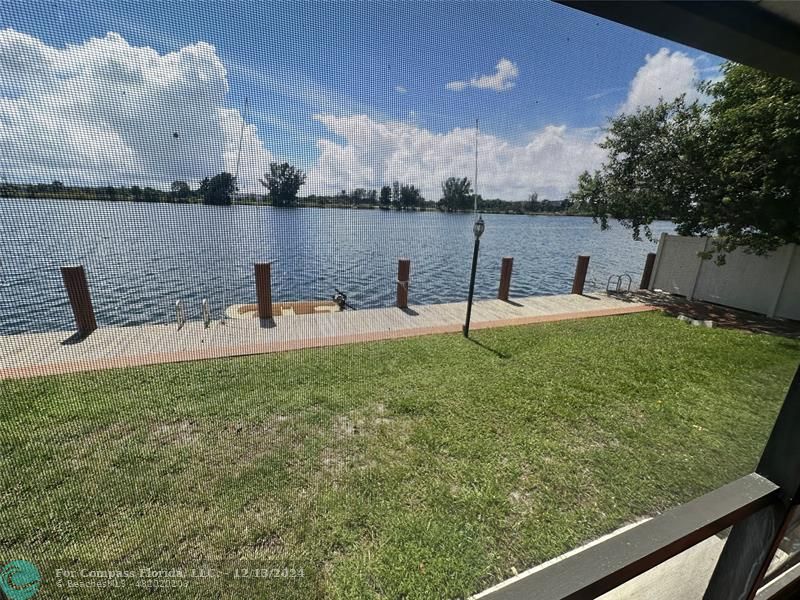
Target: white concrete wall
[789,301]
[677,264]
[746,281]
[768,285]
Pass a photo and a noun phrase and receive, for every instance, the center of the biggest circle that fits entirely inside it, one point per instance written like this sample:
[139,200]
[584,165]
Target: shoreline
[300,204]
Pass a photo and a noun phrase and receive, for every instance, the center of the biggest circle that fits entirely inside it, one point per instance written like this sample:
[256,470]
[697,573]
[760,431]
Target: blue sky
[390,63]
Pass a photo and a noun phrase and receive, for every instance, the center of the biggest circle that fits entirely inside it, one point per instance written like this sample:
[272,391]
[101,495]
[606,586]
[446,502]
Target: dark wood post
[648,271]
[264,290]
[752,542]
[403,276]
[79,298]
[505,278]
[580,274]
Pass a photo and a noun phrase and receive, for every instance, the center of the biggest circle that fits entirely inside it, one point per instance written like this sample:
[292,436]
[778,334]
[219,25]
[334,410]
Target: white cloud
[375,153]
[106,112]
[503,78]
[400,89]
[664,75]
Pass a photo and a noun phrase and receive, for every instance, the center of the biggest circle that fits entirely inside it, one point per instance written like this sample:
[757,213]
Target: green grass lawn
[420,468]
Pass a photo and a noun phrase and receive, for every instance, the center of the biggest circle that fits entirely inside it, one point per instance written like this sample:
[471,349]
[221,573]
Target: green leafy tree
[396,195]
[585,199]
[386,197]
[151,195]
[359,196]
[180,190]
[283,182]
[219,189]
[456,194]
[754,126]
[533,204]
[410,197]
[8,190]
[727,167]
[654,168]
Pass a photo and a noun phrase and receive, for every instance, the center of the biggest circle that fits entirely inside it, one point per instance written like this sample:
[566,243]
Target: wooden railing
[760,508]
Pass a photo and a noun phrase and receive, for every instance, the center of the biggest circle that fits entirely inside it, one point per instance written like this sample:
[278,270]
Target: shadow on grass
[723,316]
[497,353]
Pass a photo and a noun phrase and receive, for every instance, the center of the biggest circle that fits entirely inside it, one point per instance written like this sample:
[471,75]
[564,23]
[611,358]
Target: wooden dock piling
[580,274]
[505,278]
[648,271]
[264,289]
[403,277]
[79,298]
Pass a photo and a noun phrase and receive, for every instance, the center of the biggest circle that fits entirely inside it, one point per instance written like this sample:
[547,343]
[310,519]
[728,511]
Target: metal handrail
[205,310]
[619,282]
[180,313]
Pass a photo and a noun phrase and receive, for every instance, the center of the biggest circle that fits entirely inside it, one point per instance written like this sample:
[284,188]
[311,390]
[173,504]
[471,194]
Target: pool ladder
[180,313]
[618,280]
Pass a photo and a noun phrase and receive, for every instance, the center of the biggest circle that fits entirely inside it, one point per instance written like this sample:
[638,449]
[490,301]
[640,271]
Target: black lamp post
[477,229]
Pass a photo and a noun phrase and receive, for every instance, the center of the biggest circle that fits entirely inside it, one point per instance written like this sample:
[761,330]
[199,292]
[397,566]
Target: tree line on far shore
[282,184]
[724,165]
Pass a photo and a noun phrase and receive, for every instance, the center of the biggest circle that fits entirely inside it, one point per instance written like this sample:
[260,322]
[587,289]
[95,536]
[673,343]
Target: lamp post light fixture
[477,229]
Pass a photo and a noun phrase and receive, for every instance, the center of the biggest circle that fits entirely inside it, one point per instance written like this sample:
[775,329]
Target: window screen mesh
[327,432]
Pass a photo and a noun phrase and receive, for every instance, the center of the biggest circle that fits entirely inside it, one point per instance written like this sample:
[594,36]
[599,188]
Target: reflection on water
[141,258]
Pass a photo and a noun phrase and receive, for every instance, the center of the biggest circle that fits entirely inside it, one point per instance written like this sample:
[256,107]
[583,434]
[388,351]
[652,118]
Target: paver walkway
[29,355]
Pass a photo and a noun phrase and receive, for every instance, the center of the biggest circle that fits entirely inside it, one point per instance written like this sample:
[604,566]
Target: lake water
[141,258]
